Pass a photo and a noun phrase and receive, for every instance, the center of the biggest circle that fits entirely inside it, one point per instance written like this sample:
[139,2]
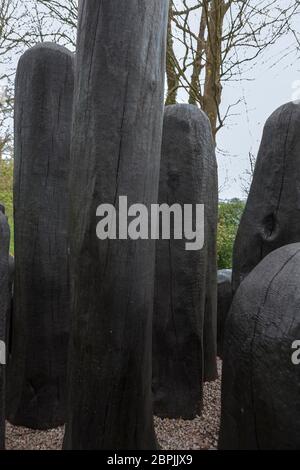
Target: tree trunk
[116,151]
[172,73]
[195,95]
[36,396]
[215,13]
[184,336]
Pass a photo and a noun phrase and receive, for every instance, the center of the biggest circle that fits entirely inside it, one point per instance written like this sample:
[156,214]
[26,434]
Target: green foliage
[229,218]
[6,193]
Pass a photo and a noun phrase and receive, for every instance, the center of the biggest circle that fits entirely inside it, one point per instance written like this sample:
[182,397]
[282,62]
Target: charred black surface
[9,318]
[184,336]
[36,396]
[116,151]
[261,384]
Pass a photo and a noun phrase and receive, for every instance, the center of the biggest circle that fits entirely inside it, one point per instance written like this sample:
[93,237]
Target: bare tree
[64,14]
[12,34]
[215,41]
[247,176]
[11,39]
[23,24]
[210,42]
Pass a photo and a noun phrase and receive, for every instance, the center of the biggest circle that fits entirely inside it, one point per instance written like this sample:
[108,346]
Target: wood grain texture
[4,308]
[184,337]
[115,152]
[40,326]
[261,385]
[272,217]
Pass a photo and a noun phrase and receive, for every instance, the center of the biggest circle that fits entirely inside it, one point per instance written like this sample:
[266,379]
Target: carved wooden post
[36,395]
[115,152]
[185,324]
[261,367]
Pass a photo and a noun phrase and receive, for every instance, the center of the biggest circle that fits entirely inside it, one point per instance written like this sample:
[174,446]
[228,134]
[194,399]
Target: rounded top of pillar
[284,113]
[275,269]
[184,112]
[187,122]
[46,51]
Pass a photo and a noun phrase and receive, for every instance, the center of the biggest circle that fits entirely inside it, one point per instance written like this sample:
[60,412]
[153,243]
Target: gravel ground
[201,433]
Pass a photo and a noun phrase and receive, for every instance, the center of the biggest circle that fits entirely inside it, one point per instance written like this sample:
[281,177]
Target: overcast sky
[269,89]
[269,85]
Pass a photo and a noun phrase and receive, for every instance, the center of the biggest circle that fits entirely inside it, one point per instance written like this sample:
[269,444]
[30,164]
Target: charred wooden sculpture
[36,395]
[185,324]
[261,369]
[115,151]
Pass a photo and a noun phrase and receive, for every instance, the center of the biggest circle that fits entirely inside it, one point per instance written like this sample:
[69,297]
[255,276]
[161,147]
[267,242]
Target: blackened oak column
[185,305]
[115,151]
[36,392]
